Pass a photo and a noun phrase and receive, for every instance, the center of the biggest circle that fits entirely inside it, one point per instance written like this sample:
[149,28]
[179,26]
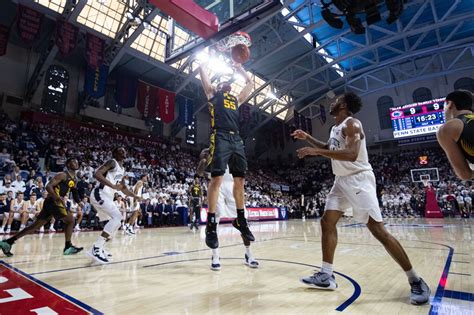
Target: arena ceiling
[296,56]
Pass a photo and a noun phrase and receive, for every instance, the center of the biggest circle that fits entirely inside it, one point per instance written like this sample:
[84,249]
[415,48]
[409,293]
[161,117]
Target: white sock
[327,268]
[100,242]
[248,252]
[215,255]
[412,276]
[22,227]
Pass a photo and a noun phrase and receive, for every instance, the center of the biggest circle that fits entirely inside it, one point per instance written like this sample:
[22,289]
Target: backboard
[422,174]
[232,15]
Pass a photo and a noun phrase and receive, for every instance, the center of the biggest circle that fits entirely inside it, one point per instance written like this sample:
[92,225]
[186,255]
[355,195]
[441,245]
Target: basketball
[240,53]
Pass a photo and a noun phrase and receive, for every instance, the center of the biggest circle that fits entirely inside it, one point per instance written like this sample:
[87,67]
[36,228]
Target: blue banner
[95,82]
[126,90]
[186,110]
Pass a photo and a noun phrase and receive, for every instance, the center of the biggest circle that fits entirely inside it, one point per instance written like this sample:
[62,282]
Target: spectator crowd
[30,154]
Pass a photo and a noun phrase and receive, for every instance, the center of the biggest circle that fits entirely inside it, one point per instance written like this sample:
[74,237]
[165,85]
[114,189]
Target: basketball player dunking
[226,208]
[354,186]
[456,136]
[58,187]
[137,211]
[111,180]
[195,202]
[226,148]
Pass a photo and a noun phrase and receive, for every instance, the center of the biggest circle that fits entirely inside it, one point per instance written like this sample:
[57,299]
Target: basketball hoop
[425,182]
[232,40]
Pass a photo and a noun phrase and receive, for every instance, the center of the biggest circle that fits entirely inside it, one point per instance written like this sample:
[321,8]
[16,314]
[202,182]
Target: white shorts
[105,208]
[16,216]
[31,215]
[358,192]
[226,206]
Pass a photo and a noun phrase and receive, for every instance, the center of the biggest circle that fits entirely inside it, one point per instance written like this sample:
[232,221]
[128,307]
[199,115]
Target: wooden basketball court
[166,271]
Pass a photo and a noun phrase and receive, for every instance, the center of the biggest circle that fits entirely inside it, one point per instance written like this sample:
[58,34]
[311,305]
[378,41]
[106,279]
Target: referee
[226,149]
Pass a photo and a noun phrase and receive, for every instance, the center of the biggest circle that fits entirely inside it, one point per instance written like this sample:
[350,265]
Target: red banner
[28,23]
[166,103]
[4,34]
[254,214]
[147,99]
[94,50]
[66,37]
[20,293]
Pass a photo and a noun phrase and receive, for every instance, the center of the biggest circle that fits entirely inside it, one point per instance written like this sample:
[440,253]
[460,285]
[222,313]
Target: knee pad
[113,225]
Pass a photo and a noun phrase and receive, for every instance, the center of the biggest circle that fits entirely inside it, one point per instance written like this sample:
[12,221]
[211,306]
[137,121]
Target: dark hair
[353,101]
[462,99]
[69,160]
[143,176]
[115,150]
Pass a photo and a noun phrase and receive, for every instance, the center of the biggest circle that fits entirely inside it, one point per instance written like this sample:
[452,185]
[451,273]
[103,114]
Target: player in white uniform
[226,208]
[29,207]
[110,177]
[137,211]
[16,209]
[354,186]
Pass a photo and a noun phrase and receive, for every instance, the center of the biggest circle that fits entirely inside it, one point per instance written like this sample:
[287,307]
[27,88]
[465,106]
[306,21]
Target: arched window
[464,84]
[56,85]
[422,94]
[383,106]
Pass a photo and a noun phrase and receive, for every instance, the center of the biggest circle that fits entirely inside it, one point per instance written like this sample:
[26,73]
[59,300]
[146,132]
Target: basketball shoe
[321,280]
[420,292]
[243,227]
[71,250]
[251,262]
[215,264]
[211,235]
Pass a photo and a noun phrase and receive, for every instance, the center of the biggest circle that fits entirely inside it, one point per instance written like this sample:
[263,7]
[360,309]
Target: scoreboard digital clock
[417,118]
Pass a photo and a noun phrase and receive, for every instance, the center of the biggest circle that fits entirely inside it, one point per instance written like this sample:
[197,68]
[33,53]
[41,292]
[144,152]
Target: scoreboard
[417,118]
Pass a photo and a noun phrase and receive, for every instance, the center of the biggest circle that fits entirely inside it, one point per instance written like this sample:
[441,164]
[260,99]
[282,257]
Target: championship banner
[147,99]
[322,114]
[66,37]
[126,90]
[94,50]
[95,82]
[186,110]
[296,119]
[4,34]
[166,103]
[28,23]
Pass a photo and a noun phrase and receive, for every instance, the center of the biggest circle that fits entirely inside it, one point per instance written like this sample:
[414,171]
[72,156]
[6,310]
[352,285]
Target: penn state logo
[283,212]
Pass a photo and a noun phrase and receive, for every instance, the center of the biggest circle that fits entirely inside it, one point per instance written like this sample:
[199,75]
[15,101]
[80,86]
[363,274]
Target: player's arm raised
[206,82]
[100,175]
[353,133]
[301,135]
[245,93]
[446,135]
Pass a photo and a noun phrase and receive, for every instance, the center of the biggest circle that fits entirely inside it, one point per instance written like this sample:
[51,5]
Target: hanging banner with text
[94,50]
[186,110]
[66,37]
[245,114]
[95,82]
[147,99]
[4,34]
[28,23]
[126,90]
[166,103]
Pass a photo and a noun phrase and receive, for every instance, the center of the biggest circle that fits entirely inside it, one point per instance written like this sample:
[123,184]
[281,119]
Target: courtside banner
[20,293]
[254,214]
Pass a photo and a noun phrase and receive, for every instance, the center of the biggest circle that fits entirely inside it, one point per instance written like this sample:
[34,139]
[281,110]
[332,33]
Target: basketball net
[425,182]
[232,40]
